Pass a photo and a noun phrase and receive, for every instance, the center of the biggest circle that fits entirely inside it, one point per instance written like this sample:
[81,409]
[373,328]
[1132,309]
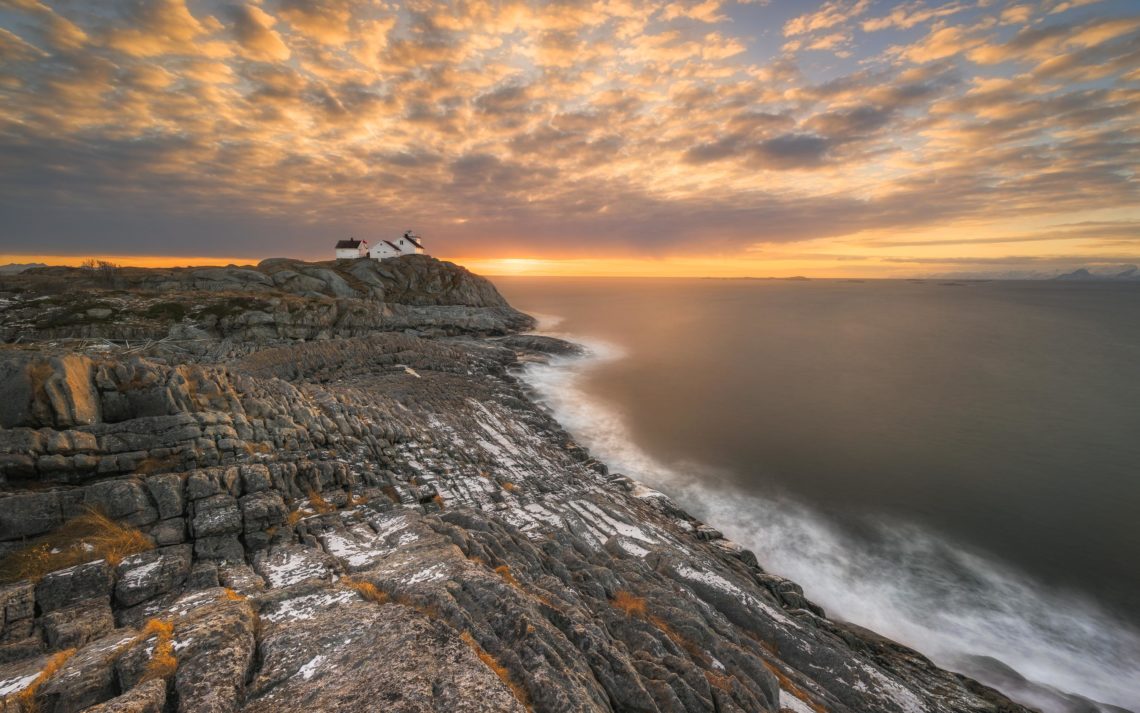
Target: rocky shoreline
[323,487]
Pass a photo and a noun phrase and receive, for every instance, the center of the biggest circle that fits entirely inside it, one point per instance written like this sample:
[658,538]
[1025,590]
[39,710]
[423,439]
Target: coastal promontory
[323,487]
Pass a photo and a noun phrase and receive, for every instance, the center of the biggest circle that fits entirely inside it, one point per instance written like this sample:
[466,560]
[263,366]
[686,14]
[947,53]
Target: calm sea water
[956,464]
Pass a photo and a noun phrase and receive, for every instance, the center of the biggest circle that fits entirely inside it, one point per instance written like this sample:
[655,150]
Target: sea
[953,464]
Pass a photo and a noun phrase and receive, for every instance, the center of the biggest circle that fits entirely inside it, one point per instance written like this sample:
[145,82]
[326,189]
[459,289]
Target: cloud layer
[572,128]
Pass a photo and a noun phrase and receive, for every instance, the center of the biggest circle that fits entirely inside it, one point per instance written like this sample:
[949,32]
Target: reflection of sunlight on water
[901,581]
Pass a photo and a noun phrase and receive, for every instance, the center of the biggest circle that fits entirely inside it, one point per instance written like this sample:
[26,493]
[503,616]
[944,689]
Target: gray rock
[83,582]
[169,532]
[166,490]
[17,604]
[225,548]
[120,499]
[87,678]
[29,514]
[149,697]
[148,574]
[262,510]
[215,636]
[323,661]
[216,515]
[75,625]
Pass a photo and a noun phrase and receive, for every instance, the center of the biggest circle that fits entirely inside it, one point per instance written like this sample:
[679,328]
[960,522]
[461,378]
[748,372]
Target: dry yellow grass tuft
[501,671]
[358,499]
[148,466]
[89,537]
[392,493]
[26,699]
[504,571]
[629,603]
[319,503]
[233,596]
[720,681]
[438,500]
[366,590]
[162,662]
[509,486]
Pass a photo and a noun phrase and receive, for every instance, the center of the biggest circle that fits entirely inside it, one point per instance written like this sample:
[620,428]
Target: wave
[957,606]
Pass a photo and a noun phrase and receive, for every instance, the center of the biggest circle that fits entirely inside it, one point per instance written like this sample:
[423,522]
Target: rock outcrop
[277,299]
[378,522]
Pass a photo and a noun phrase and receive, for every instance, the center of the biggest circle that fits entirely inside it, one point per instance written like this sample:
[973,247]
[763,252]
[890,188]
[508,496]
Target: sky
[863,138]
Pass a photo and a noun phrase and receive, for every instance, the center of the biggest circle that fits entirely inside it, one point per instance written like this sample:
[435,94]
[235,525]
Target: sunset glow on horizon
[863,138]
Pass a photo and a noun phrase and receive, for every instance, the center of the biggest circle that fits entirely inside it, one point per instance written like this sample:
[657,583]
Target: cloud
[833,13]
[622,126]
[254,29]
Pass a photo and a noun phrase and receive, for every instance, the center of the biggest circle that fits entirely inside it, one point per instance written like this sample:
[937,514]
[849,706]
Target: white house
[407,244]
[351,249]
[384,250]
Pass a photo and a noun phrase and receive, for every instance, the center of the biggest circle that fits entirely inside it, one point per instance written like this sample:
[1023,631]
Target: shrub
[89,537]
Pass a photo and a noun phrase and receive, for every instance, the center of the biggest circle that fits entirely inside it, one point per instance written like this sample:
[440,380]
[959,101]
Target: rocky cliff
[277,299]
[238,520]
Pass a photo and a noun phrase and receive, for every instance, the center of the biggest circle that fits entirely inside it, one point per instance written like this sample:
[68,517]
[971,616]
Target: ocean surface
[954,465]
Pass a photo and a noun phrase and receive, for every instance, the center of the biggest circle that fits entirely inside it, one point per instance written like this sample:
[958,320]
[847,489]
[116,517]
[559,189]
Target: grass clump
[629,603]
[26,699]
[319,503]
[504,571]
[89,537]
[499,669]
[162,662]
[367,590]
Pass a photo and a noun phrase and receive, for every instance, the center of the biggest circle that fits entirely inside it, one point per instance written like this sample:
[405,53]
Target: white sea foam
[902,581]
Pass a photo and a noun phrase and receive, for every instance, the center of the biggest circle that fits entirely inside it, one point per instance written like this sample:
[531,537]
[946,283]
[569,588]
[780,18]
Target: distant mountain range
[1101,273]
[13,268]
[1128,273]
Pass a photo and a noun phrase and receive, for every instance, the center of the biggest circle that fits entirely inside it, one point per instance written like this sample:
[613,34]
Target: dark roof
[393,245]
[414,240]
[353,244]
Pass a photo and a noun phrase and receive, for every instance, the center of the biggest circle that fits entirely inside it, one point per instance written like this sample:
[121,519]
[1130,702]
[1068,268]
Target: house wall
[347,253]
[381,253]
